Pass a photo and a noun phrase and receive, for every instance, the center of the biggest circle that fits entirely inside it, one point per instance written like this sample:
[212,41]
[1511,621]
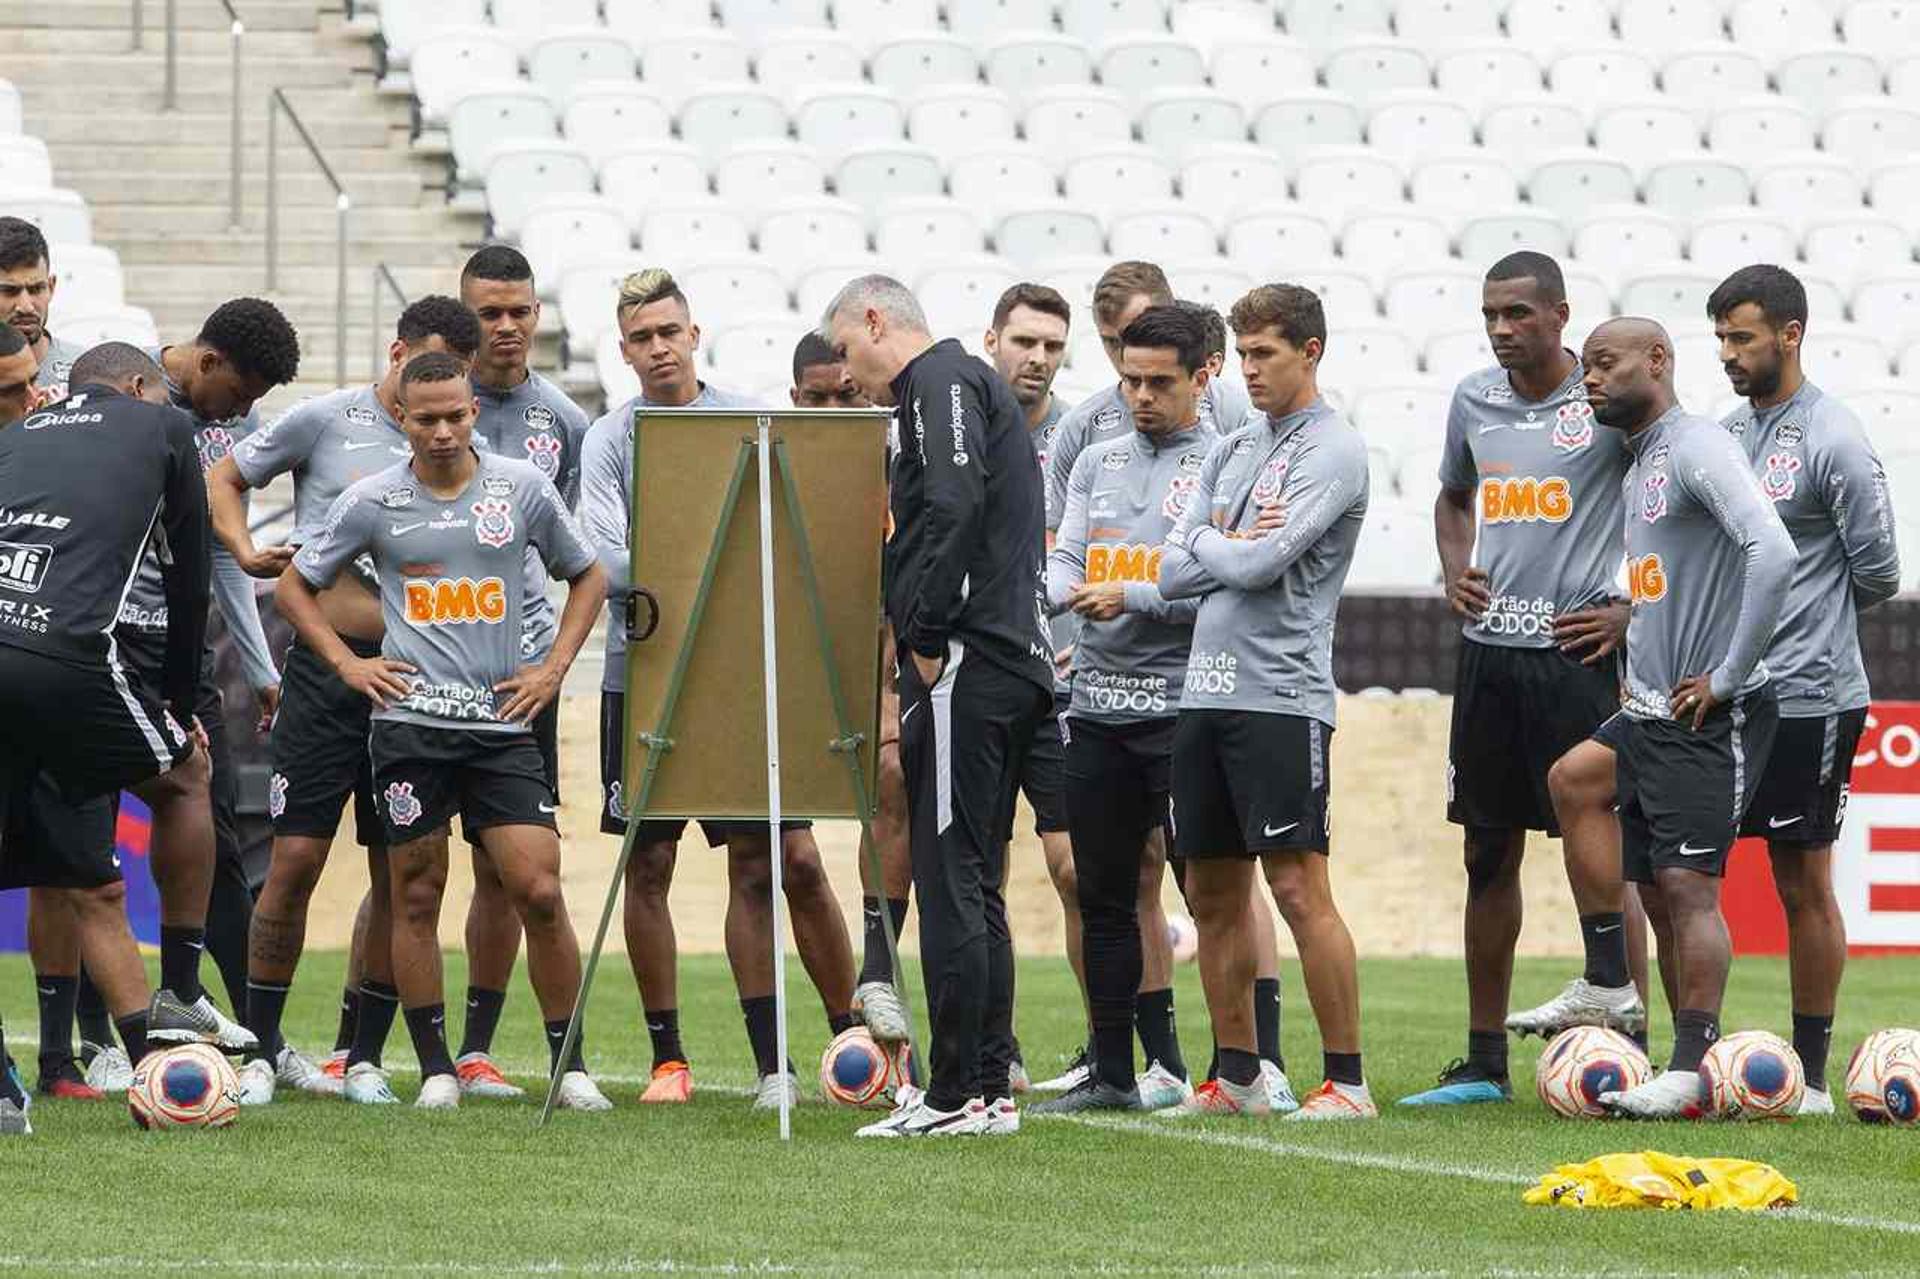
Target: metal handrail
[170,97]
[277,104]
[382,279]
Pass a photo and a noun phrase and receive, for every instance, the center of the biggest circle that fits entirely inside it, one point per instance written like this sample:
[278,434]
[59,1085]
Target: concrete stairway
[157,182]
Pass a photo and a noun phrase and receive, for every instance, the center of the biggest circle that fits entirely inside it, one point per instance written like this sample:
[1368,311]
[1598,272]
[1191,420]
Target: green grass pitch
[315,1187]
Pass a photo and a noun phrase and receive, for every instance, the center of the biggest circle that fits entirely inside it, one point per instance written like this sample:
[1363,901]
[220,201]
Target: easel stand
[771,458]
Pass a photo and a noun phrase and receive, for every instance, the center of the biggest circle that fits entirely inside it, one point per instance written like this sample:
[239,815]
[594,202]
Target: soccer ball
[1900,1080]
[1868,1067]
[854,1070]
[1583,1062]
[1183,938]
[189,1086]
[1752,1074]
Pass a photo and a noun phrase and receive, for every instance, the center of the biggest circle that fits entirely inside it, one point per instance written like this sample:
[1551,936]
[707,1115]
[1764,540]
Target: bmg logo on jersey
[23,565]
[1646,579]
[454,601]
[1127,562]
[1525,500]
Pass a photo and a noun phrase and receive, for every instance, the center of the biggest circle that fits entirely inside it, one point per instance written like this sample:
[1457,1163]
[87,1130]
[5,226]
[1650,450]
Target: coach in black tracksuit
[966,594]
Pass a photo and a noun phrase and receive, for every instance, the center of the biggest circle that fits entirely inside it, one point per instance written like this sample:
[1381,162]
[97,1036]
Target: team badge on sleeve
[402,808]
[1653,496]
[544,452]
[493,521]
[1777,480]
[1573,430]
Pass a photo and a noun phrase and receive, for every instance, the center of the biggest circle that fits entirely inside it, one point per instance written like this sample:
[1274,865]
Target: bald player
[1708,567]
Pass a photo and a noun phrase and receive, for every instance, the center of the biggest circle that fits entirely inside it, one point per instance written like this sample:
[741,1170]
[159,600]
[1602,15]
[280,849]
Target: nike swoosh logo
[656,1025]
[1687,850]
[1610,928]
[47,991]
[908,712]
[546,808]
[397,529]
[1774,823]
[473,1003]
[355,445]
[1491,427]
[1271,831]
[198,945]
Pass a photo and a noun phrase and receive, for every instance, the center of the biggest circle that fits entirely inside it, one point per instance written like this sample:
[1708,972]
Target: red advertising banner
[1876,863]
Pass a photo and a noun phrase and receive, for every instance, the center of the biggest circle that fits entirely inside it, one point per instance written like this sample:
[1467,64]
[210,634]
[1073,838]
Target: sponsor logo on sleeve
[539,417]
[402,808]
[1243,446]
[395,498]
[1778,479]
[361,415]
[493,521]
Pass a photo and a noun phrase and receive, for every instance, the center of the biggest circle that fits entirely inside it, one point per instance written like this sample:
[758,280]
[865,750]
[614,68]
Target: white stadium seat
[1480,75]
[617,379]
[559,64]
[722,116]
[950,121]
[1044,231]
[1819,78]
[1887,302]
[909,63]
[117,324]
[1463,181]
[1844,358]
[817,282]
[1092,20]
[1402,409]
[872,177]
[1554,26]
[1218,25]
[588,293]
[1806,185]
[563,230]
[1662,24]
[1848,244]
[1304,119]
[1384,240]
[639,20]
[998,177]
[1417,122]
[1589,298]
[10,110]
[1894,190]
[870,21]
[1617,239]
[1527,129]
[1572,182]
[405,23]
[1347,296]
[983,21]
[522,173]
[1114,177]
[528,20]
[1691,183]
[1363,72]
[1754,128]
[1273,238]
[1451,354]
[1064,122]
[727,289]
[450,60]
[1826,296]
[1327,24]
[1488,232]
[1698,378]
[1175,121]
[1075,278]
[915,234]
[91,280]
[1647,131]
[482,121]
[1396,551]
[1432,24]
[1226,178]
[1724,240]
[1428,300]
[677,64]
[958,295]
[759,16]
[1215,281]
[61,215]
[807,228]
[671,230]
[1602,74]
[788,61]
[1888,27]
[1866,130]
[602,118]
[753,171]
[1134,63]
[1161,231]
[1359,356]
[1025,63]
[755,350]
[1775,28]
[1339,179]
[1675,291]
[25,162]
[1705,76]
[835,119]
[1254,72]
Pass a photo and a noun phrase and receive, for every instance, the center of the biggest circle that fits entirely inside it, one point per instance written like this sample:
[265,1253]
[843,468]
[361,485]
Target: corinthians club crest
[493,521]
[1573,427]
[1653,496]
[1777,480]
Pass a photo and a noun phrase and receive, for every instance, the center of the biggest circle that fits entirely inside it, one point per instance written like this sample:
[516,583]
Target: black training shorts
[90,727]
[1043,777]
[51,842]
[423,775]
[1683,792]
[319,750]
[1249,782]
[1803,791]
[1516,711]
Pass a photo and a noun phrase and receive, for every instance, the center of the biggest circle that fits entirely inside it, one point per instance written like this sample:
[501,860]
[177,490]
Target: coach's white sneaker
[1160,1088]
[256,1082]
[109,1071]
[877,1003]
[579,1092]
[1583,1004]
[1002,1117]
[295,1071]
[1671,1094]
[366,1085]
[1078,1071]
[439,1092]
[1279,1088]
[917,1119]
[1816,1101]
[782,1083]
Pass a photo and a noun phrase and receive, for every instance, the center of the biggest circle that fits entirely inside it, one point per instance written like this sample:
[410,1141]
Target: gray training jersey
[56,368]
[1546,493]
[1063,629]
[1708,562]
[1827,485]
[451,578]
[606,496]
[1122,500]
[330,443]
[535,422]
[1264,638]
[1104,415]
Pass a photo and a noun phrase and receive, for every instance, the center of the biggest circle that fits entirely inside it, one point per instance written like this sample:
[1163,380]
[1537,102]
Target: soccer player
[965,592]
[448,531]
[525,416]
[79,518]
[820,379]
[1708,566]
[318,745]
[1523,461]
[658,338]
[1130,660]
[27,284]
[1265,543]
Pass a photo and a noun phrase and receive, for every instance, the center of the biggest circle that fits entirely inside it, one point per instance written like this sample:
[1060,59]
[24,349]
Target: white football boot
[1816,1101]
[1279,1088]
[366,1085]
[1671,1094]
[1002,1118]
[257,1078]
[439,1092]
[579,1092]
[293,1069]
[877,1003]
[767,1096]
[1078,1071]
[109,1071]
[1160,1088]
[917,1119]
[1583,1004]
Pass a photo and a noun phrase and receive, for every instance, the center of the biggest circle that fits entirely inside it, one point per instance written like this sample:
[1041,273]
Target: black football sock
[180,950]
[483,1015]
[96,1027]
[663,1028]
[349,1015]
[1693,1033]
[1812,1039]
[1159,1037]
[761,1035]
[1605,937]
[875,963]
[379,1001]
[1113,1054]
[266,1002]
[1343,1068]
[1213,1061]
[1237,1066]
[1487,1049]
[427,1025]
[840,1022]
[58,995]
[133,1034]
[1266,1019]
[556,1036]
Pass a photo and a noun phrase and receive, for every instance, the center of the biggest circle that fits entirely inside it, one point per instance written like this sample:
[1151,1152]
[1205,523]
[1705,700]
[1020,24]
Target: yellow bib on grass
[1651,1179]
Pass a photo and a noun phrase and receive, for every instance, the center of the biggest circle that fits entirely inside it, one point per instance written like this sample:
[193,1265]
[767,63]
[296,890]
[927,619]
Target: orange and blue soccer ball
[189,1086]
[1753,1074]
[1868,1070]
[1583,1062]
[856,1071]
